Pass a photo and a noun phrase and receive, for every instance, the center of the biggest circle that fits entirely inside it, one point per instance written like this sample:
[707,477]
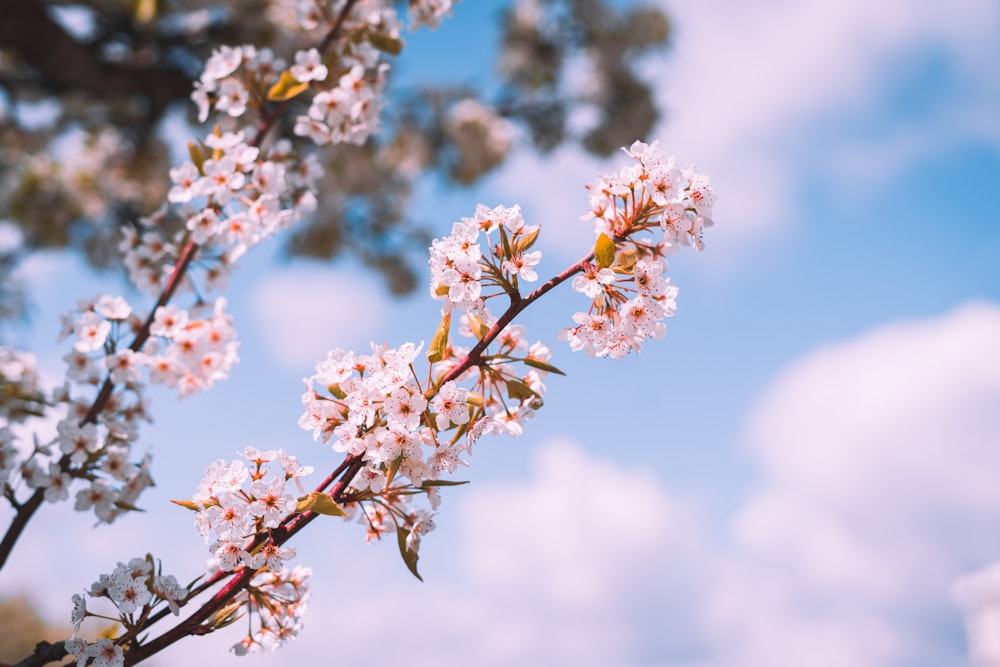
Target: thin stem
[291,525]
[27,509]
[517,304]
[272,117]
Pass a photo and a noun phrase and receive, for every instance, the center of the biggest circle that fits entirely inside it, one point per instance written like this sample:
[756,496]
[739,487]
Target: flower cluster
[428,13]
[187,350]
[654,192]
[377,410]
[630,296]
[410,433]
[460,268]
[230,196]
[277,600]
[238,516]
[91,447]
[135,589]
[21,394]
[237,506]
[347,107]
[231,74]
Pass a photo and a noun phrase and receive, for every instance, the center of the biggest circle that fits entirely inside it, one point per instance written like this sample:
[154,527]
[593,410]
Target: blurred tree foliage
[23,628]
[85,84]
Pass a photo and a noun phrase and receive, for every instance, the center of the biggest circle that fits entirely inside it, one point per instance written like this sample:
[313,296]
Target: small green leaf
[128,507]
[226,616]
[439,344]
[336,391]
[409,557]
[478,327]
[526,241]
[505,243]
[626,260]
[519,390]
[191,505]
[427,483]
[386,44]
[321,503]
[197,156]
[286,88]
[482,328]
[541,365]
[393,469]
[604,251]
[192,585]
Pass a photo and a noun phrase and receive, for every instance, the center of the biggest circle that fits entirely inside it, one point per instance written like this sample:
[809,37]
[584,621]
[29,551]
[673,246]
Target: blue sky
[796,475]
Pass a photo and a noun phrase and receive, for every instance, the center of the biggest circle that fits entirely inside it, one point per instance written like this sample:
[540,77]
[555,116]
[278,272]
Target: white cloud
[878,462]
[879,457]
[589,562]
[602,552]
[307,310]
[749,91]
[747,82]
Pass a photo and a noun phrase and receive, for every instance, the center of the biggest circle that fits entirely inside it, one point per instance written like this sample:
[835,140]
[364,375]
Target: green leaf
[604,251]
[189,504]
[321,503]
[505,243]
[436,350]
[286,88]
[427,483]
[386,44]
[520,391]
[409,557]
[393,469]
[526,241]
[197,156]
[226,616]
[478,327]
[192,585]
[128,507]
[541,365]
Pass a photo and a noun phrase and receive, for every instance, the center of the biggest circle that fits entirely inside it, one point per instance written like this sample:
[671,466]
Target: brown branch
[517,304]
[27,509]
[291,525]
[343,474]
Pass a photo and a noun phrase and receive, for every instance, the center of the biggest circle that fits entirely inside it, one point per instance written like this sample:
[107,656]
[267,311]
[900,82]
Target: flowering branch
[402,432]
[69,466]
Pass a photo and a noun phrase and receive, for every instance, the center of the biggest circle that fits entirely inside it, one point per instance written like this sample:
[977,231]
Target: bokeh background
[797,475]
